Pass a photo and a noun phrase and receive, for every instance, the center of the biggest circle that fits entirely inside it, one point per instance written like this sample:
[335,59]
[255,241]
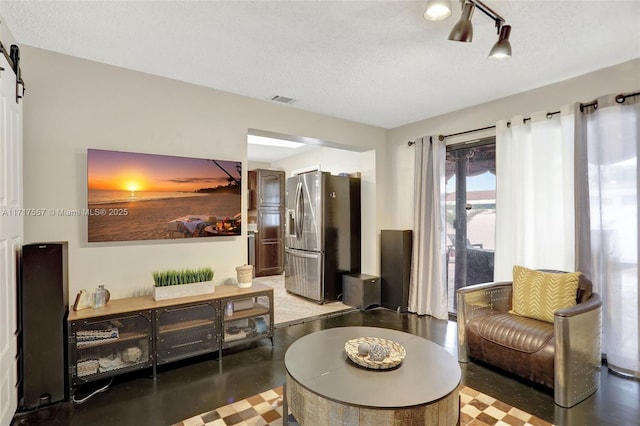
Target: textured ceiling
[374,62]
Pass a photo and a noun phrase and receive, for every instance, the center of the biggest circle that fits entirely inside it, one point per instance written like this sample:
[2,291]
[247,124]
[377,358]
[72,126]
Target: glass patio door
[470,212]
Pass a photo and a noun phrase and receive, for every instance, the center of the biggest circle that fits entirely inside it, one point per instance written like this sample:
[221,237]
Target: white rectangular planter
[183,290]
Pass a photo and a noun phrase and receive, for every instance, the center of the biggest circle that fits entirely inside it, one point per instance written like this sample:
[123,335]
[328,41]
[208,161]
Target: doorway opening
[279,154]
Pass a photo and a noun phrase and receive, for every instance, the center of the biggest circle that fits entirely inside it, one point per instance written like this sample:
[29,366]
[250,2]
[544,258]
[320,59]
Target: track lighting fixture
[462,31]
[437,10]
[502,48]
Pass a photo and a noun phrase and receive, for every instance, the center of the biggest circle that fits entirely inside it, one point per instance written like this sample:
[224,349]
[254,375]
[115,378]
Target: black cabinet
[360,290]
[42,313]
[395,268]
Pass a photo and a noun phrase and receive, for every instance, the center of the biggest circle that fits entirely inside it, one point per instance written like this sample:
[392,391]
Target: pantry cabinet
[266,207]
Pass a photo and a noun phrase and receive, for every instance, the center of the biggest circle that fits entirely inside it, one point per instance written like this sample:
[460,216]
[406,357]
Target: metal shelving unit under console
[185,331]
[108,346]
[247,319]
[138,332]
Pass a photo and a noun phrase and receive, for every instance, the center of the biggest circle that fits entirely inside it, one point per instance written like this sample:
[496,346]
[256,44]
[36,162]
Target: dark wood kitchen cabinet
[266,205]
[267,187]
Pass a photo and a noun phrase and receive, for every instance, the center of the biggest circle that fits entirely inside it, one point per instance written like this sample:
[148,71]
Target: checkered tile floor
[259,410]
[476,409]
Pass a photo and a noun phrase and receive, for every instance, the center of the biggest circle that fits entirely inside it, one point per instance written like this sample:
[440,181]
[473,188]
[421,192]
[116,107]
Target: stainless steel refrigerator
[322,234]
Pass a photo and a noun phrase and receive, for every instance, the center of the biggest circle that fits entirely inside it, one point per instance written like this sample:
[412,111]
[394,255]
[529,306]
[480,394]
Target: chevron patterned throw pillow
[539,294]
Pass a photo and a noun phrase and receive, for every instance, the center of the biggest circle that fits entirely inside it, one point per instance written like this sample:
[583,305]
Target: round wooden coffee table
[324,387]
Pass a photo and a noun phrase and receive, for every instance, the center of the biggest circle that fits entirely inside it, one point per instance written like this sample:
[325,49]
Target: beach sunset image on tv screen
[149,197]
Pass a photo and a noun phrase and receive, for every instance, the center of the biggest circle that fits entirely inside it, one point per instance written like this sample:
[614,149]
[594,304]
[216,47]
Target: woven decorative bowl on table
[395,357]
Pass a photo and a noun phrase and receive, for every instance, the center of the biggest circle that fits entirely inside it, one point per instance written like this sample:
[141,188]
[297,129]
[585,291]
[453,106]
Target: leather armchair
[564,356]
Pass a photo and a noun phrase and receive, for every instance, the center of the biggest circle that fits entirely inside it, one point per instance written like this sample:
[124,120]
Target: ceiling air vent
[282,99]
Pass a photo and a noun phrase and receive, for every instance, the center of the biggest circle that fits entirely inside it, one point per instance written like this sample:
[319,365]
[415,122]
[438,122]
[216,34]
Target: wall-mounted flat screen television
[135,196]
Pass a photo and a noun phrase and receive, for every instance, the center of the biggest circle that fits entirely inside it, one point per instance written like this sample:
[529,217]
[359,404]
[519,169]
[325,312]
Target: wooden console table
[138,332]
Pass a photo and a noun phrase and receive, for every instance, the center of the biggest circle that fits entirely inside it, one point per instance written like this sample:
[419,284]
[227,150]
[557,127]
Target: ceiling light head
[502,48]
[437,10]
[463,29]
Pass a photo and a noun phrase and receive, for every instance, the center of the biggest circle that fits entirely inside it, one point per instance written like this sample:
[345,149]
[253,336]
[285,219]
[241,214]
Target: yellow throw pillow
[539,294]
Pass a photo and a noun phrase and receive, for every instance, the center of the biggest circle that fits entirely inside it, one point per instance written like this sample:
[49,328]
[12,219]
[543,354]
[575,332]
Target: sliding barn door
[11,232]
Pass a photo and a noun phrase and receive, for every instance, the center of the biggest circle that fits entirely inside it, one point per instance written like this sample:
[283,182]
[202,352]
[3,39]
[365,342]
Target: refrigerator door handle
[299,211]
[299,253]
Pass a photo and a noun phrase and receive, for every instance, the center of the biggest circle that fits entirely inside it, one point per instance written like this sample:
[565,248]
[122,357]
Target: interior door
[11,235]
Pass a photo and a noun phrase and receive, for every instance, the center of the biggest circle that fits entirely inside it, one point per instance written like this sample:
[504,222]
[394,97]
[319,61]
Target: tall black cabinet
[395,268]
[43,307]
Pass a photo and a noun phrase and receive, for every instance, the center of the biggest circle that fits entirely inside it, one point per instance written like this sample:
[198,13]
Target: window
[471,213]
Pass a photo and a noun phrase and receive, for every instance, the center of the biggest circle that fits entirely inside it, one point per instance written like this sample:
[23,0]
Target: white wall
[330,160]
[337,161]
[397,213]
[74,104]
[257,165]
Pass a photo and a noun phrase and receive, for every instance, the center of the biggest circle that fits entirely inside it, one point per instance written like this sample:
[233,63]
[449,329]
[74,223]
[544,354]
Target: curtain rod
[619,99]
[524,120]
[443,137]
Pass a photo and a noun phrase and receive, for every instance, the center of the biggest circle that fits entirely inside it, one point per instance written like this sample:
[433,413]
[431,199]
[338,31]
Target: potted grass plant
[171,284]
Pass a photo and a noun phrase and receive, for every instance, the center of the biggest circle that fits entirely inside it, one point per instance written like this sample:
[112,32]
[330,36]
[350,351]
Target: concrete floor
[292,309]
[187,388]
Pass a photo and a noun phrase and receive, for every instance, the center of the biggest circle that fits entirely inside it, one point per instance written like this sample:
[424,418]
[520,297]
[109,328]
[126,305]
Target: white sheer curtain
[609,140]
[428,286]
[535,193]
